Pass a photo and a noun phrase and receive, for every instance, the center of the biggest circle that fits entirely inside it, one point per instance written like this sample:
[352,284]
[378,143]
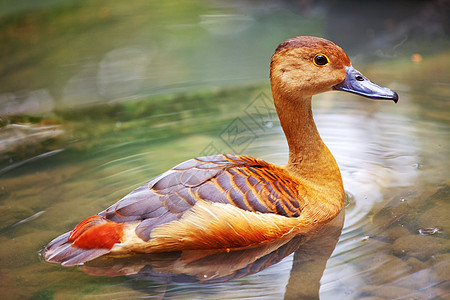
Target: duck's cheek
[331,77]
[295,83]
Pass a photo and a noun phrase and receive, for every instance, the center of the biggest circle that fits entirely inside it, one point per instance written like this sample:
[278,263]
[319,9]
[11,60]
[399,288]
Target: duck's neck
[309,158]
[307,151]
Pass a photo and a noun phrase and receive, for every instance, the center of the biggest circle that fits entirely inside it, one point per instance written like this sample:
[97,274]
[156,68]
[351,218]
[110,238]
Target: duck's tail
[90,239]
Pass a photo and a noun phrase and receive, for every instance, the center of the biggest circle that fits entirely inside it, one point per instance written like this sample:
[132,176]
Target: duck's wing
[244,182]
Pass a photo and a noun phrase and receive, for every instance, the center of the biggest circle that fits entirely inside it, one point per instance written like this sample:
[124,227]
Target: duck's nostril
[359,78]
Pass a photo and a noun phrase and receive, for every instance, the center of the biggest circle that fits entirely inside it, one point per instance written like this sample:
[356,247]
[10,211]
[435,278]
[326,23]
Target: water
[62,159]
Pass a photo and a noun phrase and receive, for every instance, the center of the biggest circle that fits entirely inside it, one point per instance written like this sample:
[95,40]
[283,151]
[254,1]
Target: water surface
[392,164]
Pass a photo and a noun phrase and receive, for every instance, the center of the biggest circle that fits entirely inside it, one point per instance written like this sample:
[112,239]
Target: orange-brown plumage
[228,202]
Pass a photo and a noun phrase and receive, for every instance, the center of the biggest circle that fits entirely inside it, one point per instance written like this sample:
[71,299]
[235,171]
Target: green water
[97,98]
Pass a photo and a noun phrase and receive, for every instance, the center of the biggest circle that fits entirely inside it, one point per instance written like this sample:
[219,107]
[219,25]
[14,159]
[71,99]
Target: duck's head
[308,65]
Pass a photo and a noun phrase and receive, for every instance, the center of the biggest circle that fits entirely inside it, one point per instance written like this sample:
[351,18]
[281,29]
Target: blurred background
[97,97]
[57,54]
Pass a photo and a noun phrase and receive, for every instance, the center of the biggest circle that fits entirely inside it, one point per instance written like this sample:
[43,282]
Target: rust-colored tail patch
[96,232]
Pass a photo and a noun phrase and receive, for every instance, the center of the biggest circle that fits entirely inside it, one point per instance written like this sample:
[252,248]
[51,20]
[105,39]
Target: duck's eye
[321,60]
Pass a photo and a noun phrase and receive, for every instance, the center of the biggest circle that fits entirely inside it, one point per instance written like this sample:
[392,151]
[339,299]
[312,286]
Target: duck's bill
[356,83]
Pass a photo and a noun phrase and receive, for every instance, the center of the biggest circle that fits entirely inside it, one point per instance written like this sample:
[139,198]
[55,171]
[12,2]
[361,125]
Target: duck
[228,202]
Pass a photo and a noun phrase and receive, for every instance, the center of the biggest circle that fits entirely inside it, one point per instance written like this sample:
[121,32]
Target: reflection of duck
[234,201]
